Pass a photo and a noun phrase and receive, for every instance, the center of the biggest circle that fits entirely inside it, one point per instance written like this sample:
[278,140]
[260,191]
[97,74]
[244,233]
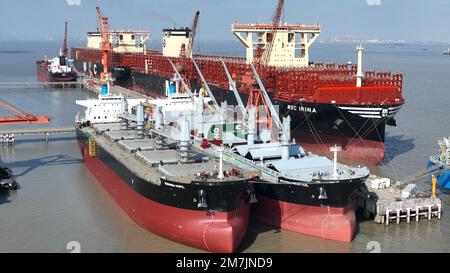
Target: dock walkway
[37,131]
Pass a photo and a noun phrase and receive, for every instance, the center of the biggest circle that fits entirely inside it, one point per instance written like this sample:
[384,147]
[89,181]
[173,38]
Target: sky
[409,20]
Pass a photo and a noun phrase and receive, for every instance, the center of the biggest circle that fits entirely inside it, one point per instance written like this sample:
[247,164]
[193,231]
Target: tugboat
[440,164]
[160,177]
[7,181]
[57,69]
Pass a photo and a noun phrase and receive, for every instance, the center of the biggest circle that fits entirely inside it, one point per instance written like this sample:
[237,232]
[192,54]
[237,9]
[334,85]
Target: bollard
[433,186]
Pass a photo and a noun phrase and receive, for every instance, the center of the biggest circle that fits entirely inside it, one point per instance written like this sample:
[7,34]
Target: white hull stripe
[361,108]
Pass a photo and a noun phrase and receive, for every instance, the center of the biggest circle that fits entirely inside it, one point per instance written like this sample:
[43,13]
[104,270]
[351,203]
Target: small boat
[7,181]
[446,51]
[439,165]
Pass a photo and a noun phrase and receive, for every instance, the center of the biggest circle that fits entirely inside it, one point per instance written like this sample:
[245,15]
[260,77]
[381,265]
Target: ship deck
[142,159]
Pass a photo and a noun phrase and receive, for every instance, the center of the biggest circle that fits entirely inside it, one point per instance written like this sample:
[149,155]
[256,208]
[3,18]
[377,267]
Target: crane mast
[270,38]
[64,50]
[193,33]
[106,47]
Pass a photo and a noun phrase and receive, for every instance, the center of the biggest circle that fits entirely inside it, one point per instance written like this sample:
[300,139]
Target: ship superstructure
[57,69]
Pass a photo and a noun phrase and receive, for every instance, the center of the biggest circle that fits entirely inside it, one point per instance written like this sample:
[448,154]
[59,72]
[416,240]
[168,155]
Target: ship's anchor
[251,194]
[322,193]
[202,199]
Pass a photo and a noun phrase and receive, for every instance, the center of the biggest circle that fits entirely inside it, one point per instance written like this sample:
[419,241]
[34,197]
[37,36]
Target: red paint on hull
[43,77]
[216,232]
[338,224]
[366,151]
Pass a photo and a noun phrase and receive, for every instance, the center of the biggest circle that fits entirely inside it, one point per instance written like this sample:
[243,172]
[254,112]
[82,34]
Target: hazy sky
[411,20]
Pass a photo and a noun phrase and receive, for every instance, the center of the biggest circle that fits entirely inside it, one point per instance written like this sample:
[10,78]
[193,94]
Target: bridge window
[290,37]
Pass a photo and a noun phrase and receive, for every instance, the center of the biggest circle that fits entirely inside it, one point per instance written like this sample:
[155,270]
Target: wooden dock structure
[46,132]
[387,205]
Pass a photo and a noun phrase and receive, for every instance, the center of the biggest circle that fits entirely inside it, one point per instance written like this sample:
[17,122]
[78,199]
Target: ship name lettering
[302,109]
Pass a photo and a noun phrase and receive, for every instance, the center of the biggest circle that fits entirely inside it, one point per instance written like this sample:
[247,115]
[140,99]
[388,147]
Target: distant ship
[446,51]
[57,69]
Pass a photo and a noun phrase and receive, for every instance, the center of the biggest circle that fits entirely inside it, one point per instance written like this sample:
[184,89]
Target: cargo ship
[57,69]
[160,180]
[295,190]
[329,103]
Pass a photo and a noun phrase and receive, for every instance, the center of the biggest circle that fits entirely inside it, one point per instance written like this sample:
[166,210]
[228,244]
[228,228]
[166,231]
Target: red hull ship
[172,189]
[216,231]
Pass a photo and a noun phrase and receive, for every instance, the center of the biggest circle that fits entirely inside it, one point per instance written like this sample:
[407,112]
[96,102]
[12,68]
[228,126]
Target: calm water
[59,200]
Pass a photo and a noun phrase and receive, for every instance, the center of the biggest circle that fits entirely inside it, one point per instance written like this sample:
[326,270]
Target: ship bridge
[290,45]
[123,41]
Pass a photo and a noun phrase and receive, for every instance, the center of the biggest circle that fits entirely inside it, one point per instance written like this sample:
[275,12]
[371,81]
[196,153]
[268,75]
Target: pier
[9,85]
[392,204]
[46,132]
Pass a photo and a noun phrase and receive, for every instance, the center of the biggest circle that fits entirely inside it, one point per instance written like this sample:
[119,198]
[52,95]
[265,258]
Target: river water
[60,202]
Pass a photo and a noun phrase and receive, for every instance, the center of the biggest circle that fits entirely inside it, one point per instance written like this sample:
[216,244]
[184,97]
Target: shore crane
[64,49]
[193,33]
[270,36]
[106,46]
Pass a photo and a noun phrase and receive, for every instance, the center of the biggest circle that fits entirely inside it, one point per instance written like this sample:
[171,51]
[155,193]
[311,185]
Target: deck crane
[106,47]
[270,36]
[21,117]
[188,51]
[64,49]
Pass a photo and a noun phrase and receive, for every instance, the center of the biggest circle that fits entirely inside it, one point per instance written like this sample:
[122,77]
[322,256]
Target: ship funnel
[286,138]
[140,121]
[359,74]
[251,112]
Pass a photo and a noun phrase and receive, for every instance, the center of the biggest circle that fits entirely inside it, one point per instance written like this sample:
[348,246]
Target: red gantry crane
[264,60]
[21,117]
[106,47]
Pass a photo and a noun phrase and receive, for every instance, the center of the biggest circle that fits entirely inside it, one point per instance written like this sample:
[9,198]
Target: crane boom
[64,50]
[21,117]
[273,112]
[271,34]
[210,94]
[193,33]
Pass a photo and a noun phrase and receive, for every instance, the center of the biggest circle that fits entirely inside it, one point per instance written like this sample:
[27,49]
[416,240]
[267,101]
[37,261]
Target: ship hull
[359,130]
[302,209]
[120,74]
[170,213]
[46,76]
